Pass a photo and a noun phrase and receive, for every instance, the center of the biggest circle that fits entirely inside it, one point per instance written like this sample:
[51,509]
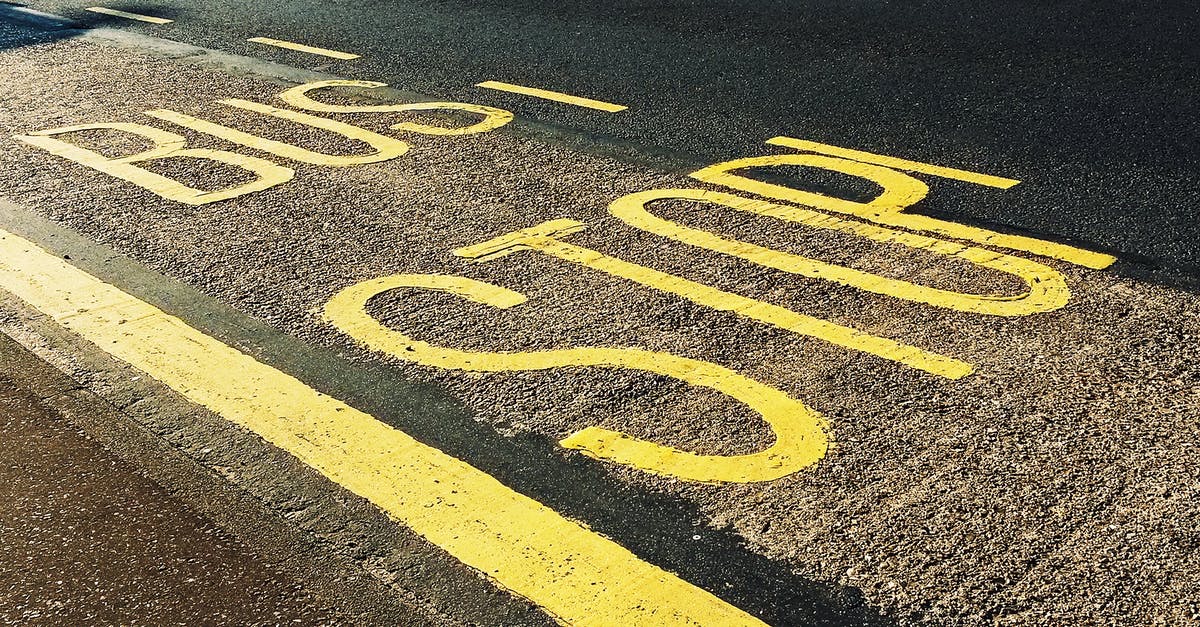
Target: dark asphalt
[1092,105]
[1056,483]
[89,541]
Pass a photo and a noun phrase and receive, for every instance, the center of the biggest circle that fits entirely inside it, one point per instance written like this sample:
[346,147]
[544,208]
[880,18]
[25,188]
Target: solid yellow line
[131,16]
[574,574]
[291,45]
[895,162]
[553,95]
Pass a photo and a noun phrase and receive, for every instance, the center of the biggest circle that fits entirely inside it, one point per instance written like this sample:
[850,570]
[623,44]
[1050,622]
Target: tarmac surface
[1091,105]
[1051,482]
[89,541]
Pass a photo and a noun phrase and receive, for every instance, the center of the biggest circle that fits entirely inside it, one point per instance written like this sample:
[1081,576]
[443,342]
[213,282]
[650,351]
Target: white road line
[130,16]
[291,45]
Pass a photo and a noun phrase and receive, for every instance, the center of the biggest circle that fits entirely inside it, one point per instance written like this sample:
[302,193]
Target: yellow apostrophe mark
[574,574]
[800,439]
[1047,289]
[544,238]
[900,191]
[493,118]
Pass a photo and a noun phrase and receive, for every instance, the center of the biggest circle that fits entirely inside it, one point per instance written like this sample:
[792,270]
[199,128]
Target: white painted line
[291,45]
[130,16]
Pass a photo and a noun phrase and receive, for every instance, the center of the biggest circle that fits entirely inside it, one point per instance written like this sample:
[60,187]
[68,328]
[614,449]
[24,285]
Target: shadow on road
[661,529]
[23,26]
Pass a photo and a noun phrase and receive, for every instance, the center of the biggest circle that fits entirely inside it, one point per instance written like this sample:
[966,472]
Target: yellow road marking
[900,191]
[895,162]
[291,45]
[573,573]
[268,174]
[493,118]
[545,238]
[166,146]
[130,16]
[385,147]
[800,439]
[553,95]
[1046,288]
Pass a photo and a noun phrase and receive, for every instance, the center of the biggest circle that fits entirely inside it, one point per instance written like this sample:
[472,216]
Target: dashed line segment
[553,95]
[130,16]
[291,45]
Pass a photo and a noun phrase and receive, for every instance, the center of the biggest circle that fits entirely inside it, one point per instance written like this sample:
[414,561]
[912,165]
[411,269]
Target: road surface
[710,314]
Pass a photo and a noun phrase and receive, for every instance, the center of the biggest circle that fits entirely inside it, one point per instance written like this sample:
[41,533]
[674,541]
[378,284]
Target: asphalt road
[1034,467]
[90,541]
[1093,105]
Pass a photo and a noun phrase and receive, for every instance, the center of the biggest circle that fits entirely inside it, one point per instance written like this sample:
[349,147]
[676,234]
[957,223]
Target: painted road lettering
[800,434]
[385,147]
[895,163]
[800,437]
[900,191]
[269,174]
[572,573]
[166,146]
[493,118]
[1047,289]
[575,574]
[545,238]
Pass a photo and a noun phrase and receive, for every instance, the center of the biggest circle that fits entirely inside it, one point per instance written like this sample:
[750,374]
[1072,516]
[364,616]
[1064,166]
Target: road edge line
[526,548]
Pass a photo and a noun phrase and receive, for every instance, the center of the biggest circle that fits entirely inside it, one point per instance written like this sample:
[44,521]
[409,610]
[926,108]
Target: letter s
[800,433]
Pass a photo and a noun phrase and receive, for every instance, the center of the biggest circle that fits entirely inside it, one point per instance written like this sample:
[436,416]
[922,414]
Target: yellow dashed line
[291,45]
[574,574]
[130,16]
[553,95]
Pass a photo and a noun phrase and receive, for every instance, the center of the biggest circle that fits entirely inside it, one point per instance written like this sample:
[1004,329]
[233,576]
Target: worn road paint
[1047,289]
[166,146]
[800,436]
[894,162]
[545,238]
[900,191]
[574,574]
[553,95]
[130,16]
[493,118]
[385,147]
[291,45]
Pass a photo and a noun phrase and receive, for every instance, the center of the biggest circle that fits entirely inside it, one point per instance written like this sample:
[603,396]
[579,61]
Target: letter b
[166,145]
